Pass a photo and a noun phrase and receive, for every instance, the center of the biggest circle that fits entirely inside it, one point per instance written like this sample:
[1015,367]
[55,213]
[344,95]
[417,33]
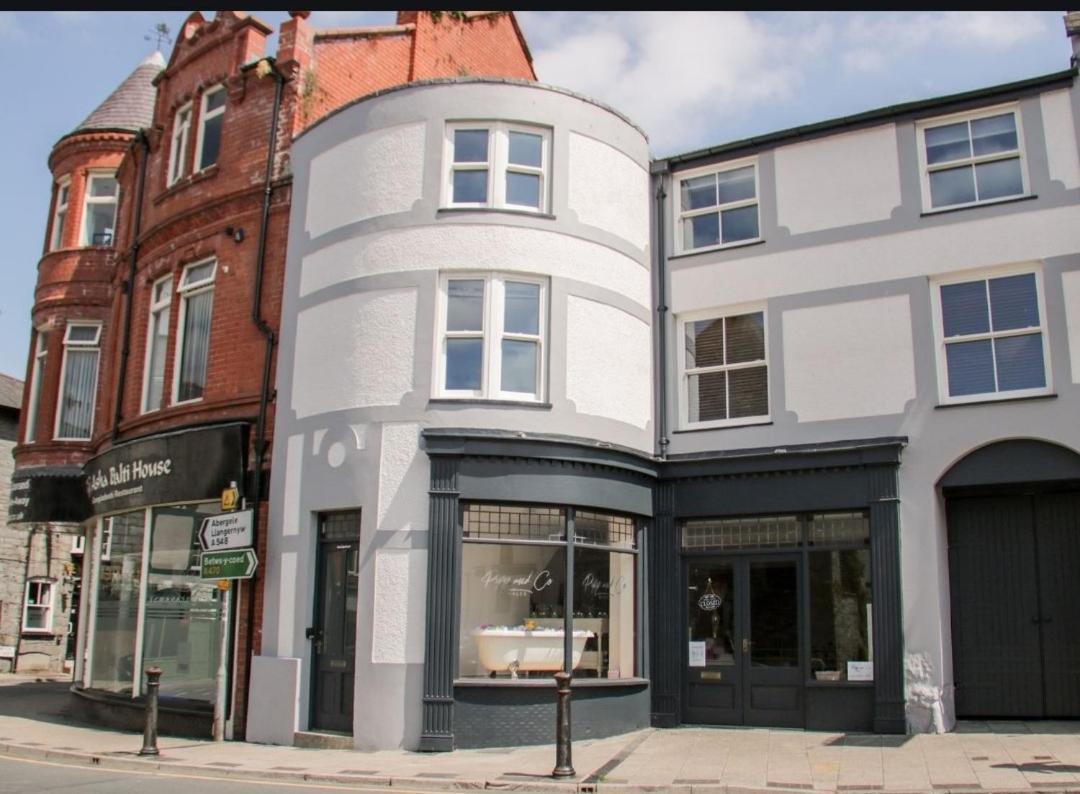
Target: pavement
[977,757]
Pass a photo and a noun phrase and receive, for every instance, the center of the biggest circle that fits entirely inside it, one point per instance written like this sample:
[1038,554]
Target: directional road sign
[236,564]
[227,531]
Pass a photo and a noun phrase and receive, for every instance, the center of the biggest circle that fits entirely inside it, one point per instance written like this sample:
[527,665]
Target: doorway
[742,650]
[333,634]
[1012,569]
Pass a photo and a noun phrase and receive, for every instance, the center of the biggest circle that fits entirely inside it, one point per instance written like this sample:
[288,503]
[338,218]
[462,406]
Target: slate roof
[11,390]
[131,105]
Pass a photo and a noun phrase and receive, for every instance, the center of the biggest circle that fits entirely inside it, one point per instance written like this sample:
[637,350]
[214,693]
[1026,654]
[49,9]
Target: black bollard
[564,767]
[153,683]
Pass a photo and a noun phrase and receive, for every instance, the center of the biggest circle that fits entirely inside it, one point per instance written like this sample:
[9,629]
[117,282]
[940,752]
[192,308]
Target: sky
[689,79]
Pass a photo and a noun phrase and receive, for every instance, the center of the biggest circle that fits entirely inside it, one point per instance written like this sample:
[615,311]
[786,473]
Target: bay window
[157,337]
[497,165]
[99,214]
[991,337]
[193,340]
[41,339]
[78,386]
[492,335]
[724,370]
[211,119]
[517,607]
[60,213]
[178,144]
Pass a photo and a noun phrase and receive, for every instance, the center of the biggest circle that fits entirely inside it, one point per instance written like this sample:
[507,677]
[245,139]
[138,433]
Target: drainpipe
[661,319]
[264,328]
[129,286]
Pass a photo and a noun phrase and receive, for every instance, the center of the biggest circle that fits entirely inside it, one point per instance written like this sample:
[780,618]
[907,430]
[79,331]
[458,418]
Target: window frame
[48,607]
[569,542]
[177,168]
[940,342]
[89,199]
[68,343]
[498,165]
[204,117]
[716,168]
[925,168]
[492,336]
[187,291]
[60,208]
[684,374]
[37,372]
[156,307]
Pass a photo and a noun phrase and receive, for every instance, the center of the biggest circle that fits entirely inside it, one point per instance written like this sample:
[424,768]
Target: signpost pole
[220,693]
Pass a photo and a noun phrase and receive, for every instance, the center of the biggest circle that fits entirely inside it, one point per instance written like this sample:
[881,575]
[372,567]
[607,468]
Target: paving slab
[979,757]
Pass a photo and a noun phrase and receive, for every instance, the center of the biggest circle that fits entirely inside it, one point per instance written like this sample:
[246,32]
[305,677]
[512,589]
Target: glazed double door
[742,655]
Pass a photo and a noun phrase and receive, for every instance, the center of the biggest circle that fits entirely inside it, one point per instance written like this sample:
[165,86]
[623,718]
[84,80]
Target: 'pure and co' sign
[227,531]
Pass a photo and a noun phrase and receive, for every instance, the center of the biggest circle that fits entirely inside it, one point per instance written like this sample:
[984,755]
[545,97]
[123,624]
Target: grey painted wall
[889,264]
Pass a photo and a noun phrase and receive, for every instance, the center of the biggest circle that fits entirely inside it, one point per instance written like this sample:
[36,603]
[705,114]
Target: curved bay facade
[472,473]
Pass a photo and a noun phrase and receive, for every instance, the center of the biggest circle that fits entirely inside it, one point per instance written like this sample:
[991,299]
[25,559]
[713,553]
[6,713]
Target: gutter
[259,443]
[129,286]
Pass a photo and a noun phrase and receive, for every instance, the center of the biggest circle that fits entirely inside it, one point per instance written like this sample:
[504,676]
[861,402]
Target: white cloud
[685,76]
[9,26]
[674,73]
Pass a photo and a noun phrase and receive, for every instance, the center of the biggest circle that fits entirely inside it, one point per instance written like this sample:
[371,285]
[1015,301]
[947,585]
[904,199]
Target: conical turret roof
[131,105]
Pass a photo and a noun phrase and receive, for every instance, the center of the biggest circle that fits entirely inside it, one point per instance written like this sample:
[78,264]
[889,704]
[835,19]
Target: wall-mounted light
[236,234]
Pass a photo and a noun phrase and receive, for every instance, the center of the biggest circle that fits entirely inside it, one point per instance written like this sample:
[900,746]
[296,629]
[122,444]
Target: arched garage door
[1014,567]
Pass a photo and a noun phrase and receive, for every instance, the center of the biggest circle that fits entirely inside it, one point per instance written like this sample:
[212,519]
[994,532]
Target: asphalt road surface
[20,775]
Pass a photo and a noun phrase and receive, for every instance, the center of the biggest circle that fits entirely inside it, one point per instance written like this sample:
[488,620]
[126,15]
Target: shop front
[536,565]
[776,590]
[145,603]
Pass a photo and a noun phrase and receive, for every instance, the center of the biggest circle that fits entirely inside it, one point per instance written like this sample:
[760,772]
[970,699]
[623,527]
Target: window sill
[505,210]
[183,182]
[711,248]
[39,634]
[961,207]
[997,400]
[549,683]
[72,440]
[723,426]
[439,402]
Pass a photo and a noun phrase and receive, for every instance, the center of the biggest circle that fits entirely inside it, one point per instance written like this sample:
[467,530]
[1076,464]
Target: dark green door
[1015,621]
[743,661]
[334,633]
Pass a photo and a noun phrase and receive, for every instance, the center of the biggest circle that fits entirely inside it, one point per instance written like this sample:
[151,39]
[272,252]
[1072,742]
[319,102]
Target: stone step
[323,740]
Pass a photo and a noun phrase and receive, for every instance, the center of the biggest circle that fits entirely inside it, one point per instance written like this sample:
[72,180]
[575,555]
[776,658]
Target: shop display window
[516,561]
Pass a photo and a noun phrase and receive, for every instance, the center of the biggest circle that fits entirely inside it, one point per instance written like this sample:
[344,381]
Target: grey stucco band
[508,466]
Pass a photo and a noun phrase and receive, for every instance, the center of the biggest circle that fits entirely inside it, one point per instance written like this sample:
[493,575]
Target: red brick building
[150,370]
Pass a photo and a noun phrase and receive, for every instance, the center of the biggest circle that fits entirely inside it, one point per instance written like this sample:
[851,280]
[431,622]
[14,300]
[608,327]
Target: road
[21,775]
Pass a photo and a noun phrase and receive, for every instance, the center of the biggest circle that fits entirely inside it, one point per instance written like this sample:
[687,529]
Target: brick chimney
[407,17]
[1072,30]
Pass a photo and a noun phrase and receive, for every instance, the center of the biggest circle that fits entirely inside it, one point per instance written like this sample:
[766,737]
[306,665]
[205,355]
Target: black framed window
[517,607]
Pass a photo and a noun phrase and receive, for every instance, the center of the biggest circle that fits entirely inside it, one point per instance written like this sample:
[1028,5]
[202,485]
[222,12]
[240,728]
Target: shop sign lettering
[124,479]
[600,588]
[517,584]
[709,602]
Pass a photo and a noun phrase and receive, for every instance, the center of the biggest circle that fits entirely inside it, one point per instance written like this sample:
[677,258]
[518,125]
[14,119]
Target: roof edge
[863,119]
[436,81]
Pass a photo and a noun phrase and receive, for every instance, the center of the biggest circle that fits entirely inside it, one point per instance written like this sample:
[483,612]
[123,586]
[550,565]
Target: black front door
[334,633]
[1015,619]
[743,663]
